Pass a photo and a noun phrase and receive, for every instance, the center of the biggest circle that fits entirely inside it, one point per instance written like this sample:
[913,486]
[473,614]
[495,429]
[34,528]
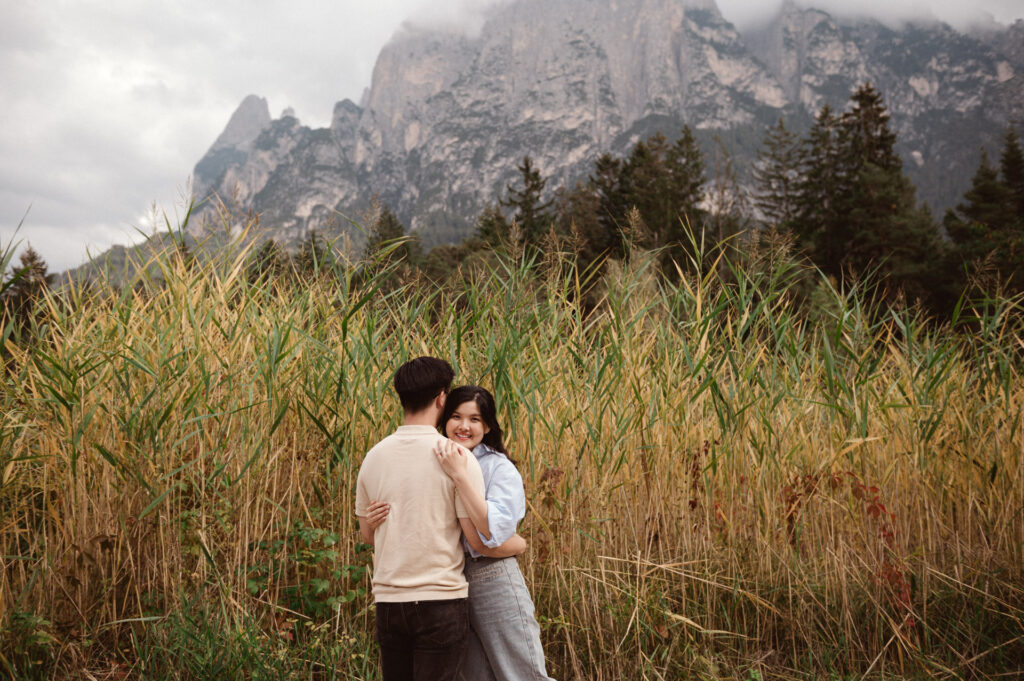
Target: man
[418,584]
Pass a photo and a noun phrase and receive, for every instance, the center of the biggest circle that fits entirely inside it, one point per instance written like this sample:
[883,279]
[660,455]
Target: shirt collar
[417,430]
[482,450]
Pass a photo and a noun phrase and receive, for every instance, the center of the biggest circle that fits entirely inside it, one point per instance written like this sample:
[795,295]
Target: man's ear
[441,399]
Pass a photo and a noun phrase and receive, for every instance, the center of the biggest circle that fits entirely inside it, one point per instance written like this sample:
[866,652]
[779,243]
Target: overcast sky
[108,105]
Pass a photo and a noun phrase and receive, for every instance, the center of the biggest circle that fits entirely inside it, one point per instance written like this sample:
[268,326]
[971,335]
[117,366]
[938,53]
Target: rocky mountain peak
[250,119]
[345,117]
[793,39]
[705,5]
[231,148]
[450,114]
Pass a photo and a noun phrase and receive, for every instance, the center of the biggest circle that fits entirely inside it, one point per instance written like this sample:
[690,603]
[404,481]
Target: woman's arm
[365,531]
[513,547]
[376,513]
[452,458]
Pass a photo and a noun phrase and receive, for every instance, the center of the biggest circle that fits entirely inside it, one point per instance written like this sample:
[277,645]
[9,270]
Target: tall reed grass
[721,483]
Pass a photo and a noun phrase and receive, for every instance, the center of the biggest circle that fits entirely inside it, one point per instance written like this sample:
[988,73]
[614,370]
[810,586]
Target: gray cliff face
[448,116]
[948,93]
[1007,41]
[1008,95]
[561,81]
[230,149]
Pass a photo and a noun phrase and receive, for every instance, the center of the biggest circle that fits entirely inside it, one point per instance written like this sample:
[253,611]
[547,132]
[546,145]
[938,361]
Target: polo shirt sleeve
[476,478]
[362,498]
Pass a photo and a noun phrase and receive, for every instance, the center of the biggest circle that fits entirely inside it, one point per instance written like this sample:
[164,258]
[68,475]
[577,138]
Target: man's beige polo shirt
[417,555]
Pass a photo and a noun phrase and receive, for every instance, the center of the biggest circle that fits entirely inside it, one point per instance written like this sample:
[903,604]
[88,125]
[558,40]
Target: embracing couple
[441,514]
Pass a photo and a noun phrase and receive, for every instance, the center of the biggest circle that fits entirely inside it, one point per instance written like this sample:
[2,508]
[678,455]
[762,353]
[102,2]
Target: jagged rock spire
[250,119]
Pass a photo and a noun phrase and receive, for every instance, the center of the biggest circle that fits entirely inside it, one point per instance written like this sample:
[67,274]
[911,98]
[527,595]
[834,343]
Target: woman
[505,638]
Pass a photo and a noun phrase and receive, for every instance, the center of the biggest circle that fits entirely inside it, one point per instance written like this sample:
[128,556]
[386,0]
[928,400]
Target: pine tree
[31,278]
[685,164]
[883,227]
[1012,166]
[865,136]
[383,245]
[889,233]
[605,184]
[530,210]
[26,284]
[857,210]
[776,175]
[644,181]
[390,254]
[686,167]
[268,262]
[664,182]
[817,189]
[577,215]
[313,256]
[492,228]
[1011,163]
[726,199]
[988,204]
[442,262]
[985,227]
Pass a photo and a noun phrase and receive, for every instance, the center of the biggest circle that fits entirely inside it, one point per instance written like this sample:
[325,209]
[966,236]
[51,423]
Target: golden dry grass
[721,484]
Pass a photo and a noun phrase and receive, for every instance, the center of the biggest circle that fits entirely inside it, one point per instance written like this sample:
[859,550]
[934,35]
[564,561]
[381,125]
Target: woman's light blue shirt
[506,498]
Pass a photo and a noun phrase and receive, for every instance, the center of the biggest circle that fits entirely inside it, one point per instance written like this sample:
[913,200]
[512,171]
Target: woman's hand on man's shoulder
[453,457]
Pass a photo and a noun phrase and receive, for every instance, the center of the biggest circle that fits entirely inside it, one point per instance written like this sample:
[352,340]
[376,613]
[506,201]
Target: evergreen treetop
[530,210]
[865,136]
[776,175]
[857,211]
[1011,164]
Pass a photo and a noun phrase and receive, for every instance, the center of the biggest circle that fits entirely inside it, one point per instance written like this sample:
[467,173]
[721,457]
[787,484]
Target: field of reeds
[727,477]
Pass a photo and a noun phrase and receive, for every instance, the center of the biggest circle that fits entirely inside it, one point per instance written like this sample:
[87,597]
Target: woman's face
[466,426]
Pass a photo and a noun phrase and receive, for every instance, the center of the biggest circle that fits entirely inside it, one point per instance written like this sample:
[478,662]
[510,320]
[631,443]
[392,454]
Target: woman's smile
[462,436]
[466,425]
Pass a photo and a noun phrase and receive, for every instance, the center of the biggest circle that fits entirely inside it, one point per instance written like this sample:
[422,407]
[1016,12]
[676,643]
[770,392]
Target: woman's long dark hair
[488,411]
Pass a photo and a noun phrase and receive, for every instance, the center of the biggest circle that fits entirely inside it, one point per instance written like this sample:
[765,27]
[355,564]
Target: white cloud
[110,104]
[464,16]
[955,12]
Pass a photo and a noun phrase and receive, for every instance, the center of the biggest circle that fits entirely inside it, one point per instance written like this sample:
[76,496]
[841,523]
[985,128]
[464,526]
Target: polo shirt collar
[416,430]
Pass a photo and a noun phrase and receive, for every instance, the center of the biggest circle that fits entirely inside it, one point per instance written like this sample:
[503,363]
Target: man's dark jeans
[422,640]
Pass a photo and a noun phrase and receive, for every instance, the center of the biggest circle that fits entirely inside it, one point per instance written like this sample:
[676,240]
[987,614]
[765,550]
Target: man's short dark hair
[420,380]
